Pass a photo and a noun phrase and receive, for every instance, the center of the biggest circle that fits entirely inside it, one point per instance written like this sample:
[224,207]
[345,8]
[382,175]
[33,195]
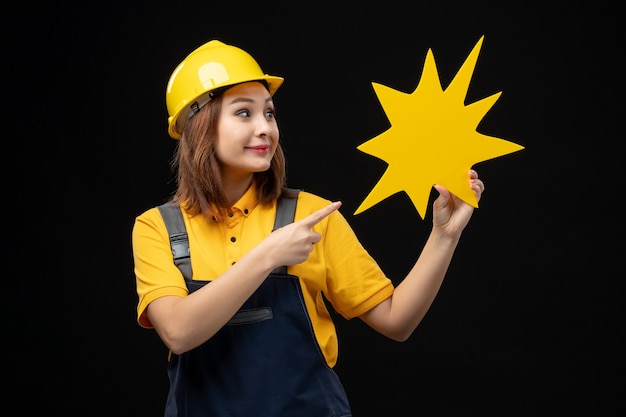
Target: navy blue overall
[265,362]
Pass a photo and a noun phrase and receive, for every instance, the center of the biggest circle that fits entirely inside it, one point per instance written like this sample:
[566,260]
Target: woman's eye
[269,114]
[244,113]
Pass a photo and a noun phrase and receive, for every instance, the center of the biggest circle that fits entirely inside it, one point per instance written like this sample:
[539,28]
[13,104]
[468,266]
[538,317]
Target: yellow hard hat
[211,66]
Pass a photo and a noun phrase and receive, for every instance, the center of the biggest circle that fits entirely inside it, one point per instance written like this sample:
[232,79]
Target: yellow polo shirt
[339,267]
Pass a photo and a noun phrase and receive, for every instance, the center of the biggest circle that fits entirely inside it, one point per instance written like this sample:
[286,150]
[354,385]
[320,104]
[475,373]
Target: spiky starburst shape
[433,137]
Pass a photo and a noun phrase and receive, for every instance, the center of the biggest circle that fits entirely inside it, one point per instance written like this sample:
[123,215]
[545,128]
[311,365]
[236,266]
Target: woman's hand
[293,243]
[451,214]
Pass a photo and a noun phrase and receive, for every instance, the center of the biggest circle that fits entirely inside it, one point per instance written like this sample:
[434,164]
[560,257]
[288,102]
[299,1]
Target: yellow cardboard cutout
[432,138]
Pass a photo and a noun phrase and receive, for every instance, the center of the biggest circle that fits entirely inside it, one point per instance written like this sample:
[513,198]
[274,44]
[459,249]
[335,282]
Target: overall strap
[173,218]
[285,212]
[179,241]
[286,208]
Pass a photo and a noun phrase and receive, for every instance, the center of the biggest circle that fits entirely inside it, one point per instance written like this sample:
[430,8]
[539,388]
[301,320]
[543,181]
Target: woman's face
[247,132]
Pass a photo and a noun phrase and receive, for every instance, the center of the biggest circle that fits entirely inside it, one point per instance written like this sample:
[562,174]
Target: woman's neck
[236,188]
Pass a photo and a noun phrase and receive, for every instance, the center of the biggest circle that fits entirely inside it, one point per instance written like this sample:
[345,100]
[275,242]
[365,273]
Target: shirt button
[233,239]
[245,211]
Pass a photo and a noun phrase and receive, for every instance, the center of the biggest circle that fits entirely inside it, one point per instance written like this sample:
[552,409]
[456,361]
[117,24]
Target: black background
[530,317]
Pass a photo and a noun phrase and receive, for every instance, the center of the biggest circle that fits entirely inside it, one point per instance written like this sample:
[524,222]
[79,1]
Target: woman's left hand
[452,214]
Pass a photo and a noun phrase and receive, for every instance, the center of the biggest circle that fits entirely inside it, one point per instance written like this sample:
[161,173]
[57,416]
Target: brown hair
[199,180]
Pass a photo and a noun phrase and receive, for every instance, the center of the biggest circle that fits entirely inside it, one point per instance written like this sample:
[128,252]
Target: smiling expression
[247,132]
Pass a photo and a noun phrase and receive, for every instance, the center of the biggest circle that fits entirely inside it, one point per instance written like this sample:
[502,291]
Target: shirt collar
[248,201]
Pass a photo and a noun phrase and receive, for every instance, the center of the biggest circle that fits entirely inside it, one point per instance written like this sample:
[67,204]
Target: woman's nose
[264,126]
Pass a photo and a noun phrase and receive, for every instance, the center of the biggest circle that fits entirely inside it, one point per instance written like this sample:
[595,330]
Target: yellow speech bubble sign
[433,137]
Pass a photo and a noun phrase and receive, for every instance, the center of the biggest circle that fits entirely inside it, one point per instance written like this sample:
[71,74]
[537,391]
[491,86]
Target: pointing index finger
[320,214]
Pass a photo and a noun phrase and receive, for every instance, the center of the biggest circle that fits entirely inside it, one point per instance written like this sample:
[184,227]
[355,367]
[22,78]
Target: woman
[246,338]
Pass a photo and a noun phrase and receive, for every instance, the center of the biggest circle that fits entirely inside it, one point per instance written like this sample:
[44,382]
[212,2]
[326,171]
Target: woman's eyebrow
[247,100]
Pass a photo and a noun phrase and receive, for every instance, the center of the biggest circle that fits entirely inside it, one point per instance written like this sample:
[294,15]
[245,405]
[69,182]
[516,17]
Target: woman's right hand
[293,243]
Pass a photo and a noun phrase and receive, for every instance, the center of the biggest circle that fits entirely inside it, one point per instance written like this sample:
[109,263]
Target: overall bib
[265,362]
